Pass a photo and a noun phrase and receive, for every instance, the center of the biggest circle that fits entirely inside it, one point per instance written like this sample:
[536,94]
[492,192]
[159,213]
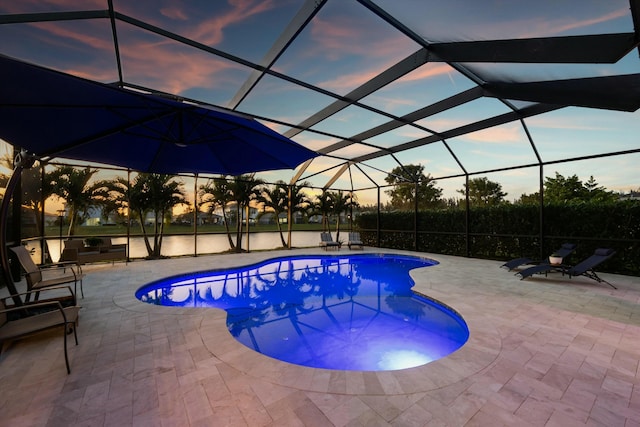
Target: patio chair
[47,275]
[355,240]
[586,267]
[17,322]
[583,268]
[327,242]
[564,251]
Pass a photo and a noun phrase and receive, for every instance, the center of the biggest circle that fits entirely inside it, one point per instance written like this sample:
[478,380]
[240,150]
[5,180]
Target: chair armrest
[57,304]
[41,291]
[71,265]
[62,263]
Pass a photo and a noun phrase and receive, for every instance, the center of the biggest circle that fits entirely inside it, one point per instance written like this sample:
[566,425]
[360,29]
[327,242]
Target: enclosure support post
[289,215]
[467,215]
[378,221]
[415,217]
[129,214]
[541,213]
[196,211]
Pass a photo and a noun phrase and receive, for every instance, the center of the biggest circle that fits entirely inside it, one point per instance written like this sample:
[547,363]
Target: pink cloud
[341,37]
[504,134]
[172,70]
[62,34]
[174,12]
[560,26]
[28,6]
[353,80]
[163,65]
[211,31]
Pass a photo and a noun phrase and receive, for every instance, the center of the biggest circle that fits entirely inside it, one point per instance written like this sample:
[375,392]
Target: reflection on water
[206,243]
[353,312]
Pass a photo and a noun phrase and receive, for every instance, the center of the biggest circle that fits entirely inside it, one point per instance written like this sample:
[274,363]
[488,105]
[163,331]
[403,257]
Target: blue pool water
[353,312]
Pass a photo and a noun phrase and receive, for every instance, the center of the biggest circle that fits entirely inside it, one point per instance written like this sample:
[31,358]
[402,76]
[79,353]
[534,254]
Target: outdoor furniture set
[327,242]
[100,249]
[556,263]
[24,318]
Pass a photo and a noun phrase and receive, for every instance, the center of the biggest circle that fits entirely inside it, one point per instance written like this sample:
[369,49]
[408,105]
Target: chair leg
[66,356]
[74,328]
[75,289]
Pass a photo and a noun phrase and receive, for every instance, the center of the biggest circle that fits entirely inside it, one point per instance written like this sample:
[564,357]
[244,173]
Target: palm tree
[157,194]
[73,186]
[35,189]
[299,202]
[323,205]
[149,193]
[341,202]
[221,192]
[216,194]
[275,198]
[243,189]
[332,203]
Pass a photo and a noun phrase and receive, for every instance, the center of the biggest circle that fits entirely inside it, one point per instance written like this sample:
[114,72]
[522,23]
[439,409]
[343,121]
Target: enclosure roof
[460,87]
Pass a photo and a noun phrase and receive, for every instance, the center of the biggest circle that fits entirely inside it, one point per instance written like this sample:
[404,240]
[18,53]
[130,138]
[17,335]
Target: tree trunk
[158,248]
[144,234]
[239,228]
[72,222]
[232,245]
[284,243]
[155,233]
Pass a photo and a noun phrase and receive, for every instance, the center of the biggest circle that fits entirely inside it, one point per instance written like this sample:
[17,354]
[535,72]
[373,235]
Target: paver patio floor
[542,352]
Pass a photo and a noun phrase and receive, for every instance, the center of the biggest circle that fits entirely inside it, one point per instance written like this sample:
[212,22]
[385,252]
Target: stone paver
[542,352]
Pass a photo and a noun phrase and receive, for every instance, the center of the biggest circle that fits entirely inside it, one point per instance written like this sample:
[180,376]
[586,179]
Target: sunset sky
[342,48]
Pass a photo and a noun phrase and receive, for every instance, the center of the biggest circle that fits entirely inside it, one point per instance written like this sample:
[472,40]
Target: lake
[173,245]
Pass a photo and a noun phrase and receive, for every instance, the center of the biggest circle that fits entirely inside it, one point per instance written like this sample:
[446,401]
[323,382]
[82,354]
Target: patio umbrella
[52,114]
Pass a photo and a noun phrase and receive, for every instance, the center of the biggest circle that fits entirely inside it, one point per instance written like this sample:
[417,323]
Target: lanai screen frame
[614,92]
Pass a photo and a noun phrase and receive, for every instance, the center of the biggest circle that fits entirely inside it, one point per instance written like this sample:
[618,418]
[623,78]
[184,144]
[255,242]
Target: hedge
[508,231]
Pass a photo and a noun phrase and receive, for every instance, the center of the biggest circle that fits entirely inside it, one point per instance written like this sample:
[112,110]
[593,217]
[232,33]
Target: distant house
[631,195]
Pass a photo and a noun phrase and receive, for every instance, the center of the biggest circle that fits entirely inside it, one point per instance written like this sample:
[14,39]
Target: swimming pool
[347,312]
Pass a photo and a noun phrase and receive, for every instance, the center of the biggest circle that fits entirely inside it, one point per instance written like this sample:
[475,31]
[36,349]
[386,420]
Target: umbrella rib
[143,124]
[88,139]
[132,129]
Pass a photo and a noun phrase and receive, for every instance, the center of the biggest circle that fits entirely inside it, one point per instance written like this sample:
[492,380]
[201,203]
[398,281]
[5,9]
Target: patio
[542,352]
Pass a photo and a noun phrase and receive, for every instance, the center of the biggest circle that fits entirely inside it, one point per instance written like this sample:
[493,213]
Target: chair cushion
[74,244]
[603,251]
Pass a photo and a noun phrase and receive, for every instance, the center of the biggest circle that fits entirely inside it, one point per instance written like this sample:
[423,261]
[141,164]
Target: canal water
[204,243]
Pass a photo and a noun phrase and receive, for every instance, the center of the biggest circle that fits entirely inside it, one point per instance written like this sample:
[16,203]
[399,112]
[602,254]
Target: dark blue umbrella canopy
[53,114]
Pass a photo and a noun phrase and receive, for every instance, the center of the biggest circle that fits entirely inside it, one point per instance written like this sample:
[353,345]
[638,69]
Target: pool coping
[479,352]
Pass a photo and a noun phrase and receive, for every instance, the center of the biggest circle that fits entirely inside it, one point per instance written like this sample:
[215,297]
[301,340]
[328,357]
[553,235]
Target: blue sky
[343,47]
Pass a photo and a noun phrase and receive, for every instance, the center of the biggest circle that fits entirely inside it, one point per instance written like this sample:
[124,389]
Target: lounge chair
[326,241]
[586,267]
[583,268]
[564,251]
[355,240]
[29,318]
[45,276]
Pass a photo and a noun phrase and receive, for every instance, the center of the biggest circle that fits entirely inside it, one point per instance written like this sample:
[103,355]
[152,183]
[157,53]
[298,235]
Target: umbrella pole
[248,230]
[23,160]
